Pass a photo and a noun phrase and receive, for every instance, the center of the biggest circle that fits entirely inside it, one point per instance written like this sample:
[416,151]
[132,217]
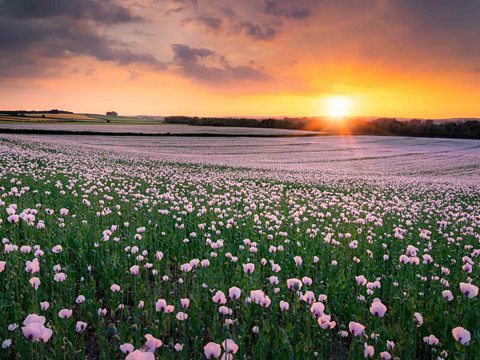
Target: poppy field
[111,255]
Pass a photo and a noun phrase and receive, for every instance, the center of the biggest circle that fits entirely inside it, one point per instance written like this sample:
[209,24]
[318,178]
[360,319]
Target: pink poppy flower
[65,313]
[35,282]
[356,328]
[361,280]
[115,288]
[160,305]
[418,319]
[33,266]
[257,296]
[230,346]
[2,265]
[212,350]
[284,306]
[298,261]
[102,312]
[317,309]
[181,316]
[126,348]
[325,322]
[186,267]
[249,268]
[385,355]
[431,340]
[134,270]
[152,343]
[369,350]
[378,309]
[447,295]
[205,263]
[57,249]
[13,219]
[265,302]
[140,355]
[307,281]
[80,326]
[294,284]
[34,328]
[461,335]
[184,303]
[234,293]
[219,298]
[224,310]
[60,277]
[469,290]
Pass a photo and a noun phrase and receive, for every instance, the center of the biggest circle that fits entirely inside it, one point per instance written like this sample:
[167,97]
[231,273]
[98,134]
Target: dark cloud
[271,7]
[257,31]
[445,29]
[174,10]
[33,33]
[211,23]
[104,11]
[187,2]
[208,66]
[186,54]
[233,23]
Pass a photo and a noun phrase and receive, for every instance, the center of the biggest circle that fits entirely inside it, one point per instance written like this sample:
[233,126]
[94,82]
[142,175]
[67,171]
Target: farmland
[147,128]
[39,118]
[190,248]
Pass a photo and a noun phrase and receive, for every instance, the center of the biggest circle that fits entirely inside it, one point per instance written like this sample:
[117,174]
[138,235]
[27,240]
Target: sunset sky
[404,58]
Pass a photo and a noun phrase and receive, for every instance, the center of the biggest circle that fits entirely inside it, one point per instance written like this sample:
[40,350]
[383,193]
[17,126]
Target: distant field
[123,119]
[76,118]
[149,128]
[48,118]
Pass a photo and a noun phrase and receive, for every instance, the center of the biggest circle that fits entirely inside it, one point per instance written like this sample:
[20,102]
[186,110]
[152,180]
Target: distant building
[112,113]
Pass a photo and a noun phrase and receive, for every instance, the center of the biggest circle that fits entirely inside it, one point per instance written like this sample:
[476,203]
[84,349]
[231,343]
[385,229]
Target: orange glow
[340,61]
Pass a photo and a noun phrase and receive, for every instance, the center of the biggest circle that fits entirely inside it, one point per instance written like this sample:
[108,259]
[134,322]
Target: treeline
[426,128]
[382,126]
[286,123]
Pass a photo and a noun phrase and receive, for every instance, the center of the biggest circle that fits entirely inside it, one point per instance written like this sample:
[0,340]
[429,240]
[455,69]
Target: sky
[399,58]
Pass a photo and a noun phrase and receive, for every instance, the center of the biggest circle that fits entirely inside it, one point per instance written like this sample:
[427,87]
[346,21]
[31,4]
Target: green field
[76,119]
[119,238]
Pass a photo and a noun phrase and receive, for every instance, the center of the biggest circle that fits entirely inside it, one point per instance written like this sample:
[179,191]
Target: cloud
[33,33]
[208,66]
[271,7]
[233,23]
[106,11]
[257,31]
[211,23]
[259,20]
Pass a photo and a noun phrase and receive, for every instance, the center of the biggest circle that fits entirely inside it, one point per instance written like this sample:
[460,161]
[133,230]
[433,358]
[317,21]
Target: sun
[337,106]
